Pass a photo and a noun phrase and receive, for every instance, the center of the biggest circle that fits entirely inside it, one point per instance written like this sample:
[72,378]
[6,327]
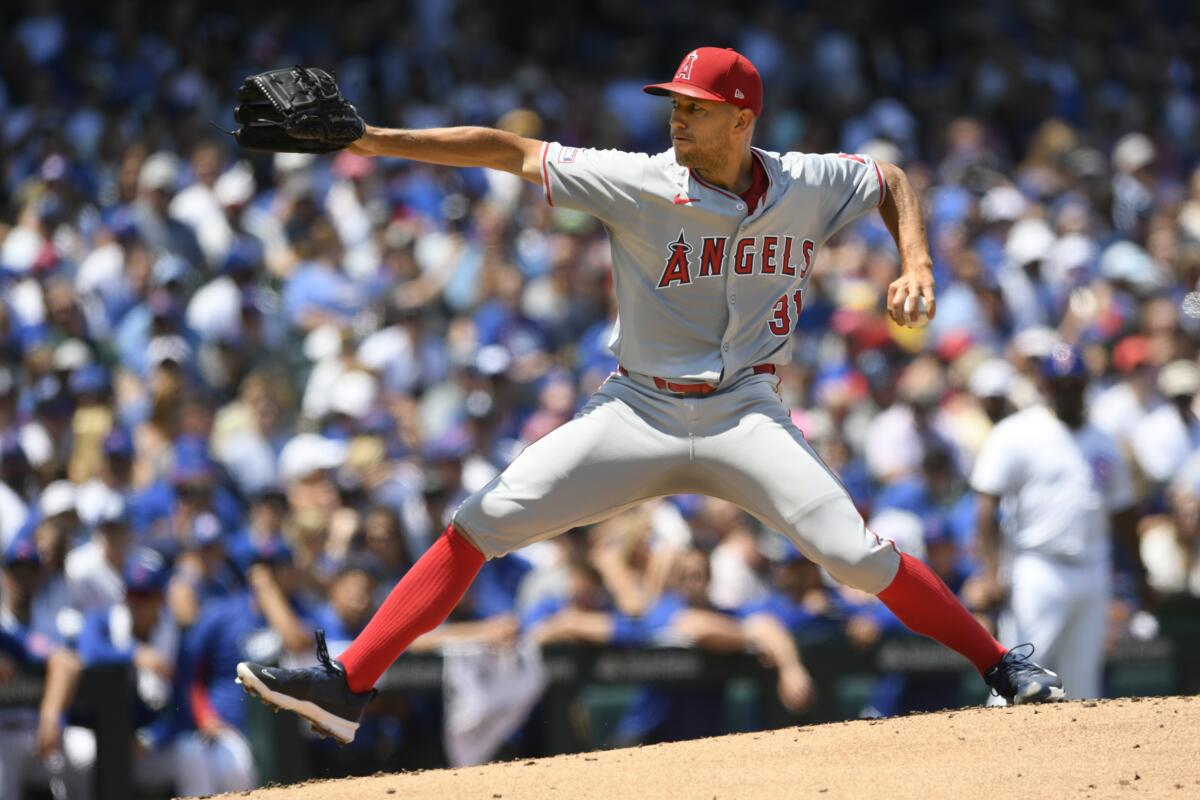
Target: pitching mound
[1145,747]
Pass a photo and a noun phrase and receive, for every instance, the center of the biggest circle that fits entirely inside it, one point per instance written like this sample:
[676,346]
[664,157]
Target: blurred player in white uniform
[1065,490]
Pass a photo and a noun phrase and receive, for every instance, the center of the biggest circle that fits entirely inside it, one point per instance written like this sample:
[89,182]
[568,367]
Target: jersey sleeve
[604,183]
[849,186]
[997,468]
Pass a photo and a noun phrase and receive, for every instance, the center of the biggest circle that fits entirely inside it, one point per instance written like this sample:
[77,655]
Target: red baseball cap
[715,73]
[1131,353]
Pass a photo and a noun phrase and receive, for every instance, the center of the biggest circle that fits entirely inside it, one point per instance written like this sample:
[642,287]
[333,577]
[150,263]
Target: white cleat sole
[322,721]
[1056,694]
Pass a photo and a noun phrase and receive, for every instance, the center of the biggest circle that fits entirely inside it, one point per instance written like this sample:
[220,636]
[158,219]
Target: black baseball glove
[297,110]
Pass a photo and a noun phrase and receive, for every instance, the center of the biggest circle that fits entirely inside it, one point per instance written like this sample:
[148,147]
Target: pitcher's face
[704,133]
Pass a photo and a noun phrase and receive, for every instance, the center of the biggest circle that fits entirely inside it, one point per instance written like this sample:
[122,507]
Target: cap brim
[686,89]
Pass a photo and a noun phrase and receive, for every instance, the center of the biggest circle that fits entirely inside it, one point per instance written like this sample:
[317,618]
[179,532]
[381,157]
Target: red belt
[698,388]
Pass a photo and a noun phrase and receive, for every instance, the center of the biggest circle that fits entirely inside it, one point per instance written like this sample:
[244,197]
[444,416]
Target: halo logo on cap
[685,69]
[715,73]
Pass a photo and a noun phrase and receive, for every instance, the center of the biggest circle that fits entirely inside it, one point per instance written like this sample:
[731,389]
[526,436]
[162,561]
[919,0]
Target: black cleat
[1019,680]
[319,694]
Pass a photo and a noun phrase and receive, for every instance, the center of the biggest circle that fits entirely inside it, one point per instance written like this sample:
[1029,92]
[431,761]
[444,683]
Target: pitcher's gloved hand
[296,110]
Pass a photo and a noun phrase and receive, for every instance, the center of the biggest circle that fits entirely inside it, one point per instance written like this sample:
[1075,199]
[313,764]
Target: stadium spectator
[265,620]
[202,573]
[1170,544]
[139,631]
[800,600]
[1164,437]
[383,538]
[684,616]
[94,568]
[36,746]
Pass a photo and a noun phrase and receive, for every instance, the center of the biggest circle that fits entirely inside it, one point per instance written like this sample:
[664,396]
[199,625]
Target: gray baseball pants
[633,442]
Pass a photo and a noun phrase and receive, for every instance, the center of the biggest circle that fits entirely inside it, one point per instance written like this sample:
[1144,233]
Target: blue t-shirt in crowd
[660,714]
[319,287]
[159,500]
[325,618]
[95,646]
[228,631]
[800,620]
[494,591]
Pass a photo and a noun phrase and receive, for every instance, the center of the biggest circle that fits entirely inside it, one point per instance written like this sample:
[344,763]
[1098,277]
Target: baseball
[916,312]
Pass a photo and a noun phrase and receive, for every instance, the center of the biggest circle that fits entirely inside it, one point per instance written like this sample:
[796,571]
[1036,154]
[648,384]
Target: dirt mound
[1144,747]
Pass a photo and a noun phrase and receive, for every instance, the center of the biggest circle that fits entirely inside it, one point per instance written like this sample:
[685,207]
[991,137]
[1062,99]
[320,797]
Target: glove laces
[304,80]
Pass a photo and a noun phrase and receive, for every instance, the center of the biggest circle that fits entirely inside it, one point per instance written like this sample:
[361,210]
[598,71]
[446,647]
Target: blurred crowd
[239,394]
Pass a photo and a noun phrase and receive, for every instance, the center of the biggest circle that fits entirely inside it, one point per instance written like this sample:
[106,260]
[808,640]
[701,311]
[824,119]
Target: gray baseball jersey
[703,289]
[705,292]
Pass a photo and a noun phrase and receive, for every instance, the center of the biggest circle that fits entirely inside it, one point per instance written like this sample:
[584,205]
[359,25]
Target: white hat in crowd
[57,498]
[1036,342]
[308,453]
[235,186]
[1131,263]
[322,342]
[1002,204]
[1179,378]
[70,355]
[354,394]
[1028,240]
[159,171]
[992,378]
[94,501]
[168,348]
[1132,152]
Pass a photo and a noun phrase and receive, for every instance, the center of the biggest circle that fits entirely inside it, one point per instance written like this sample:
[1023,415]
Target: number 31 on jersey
[780,322]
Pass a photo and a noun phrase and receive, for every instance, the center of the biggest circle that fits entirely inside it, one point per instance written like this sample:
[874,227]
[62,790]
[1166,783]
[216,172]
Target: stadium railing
[1167,664]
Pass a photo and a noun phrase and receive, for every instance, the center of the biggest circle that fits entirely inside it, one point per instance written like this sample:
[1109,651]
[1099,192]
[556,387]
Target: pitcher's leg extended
[834,532]
[764,465]
[606,459]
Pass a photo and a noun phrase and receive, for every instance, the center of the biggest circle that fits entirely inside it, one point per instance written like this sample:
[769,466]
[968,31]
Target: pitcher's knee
[475,527]
[495,523]
[833,535]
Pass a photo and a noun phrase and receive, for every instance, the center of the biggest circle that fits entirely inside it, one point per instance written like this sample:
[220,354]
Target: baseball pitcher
[713,244]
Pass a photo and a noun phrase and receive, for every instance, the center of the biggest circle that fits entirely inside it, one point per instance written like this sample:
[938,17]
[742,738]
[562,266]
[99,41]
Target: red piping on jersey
[763,163]
[203,713]
[880,539]
[546,175]
[705,183]
[882,185]
[708,185]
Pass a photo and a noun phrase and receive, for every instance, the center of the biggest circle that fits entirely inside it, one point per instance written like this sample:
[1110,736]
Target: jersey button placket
[730,295]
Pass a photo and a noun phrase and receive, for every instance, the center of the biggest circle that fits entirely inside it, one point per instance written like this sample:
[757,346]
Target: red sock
[921,601]
[423,598]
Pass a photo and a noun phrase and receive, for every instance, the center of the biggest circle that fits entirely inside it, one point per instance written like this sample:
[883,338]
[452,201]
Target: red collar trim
[708,185]
[730,195]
